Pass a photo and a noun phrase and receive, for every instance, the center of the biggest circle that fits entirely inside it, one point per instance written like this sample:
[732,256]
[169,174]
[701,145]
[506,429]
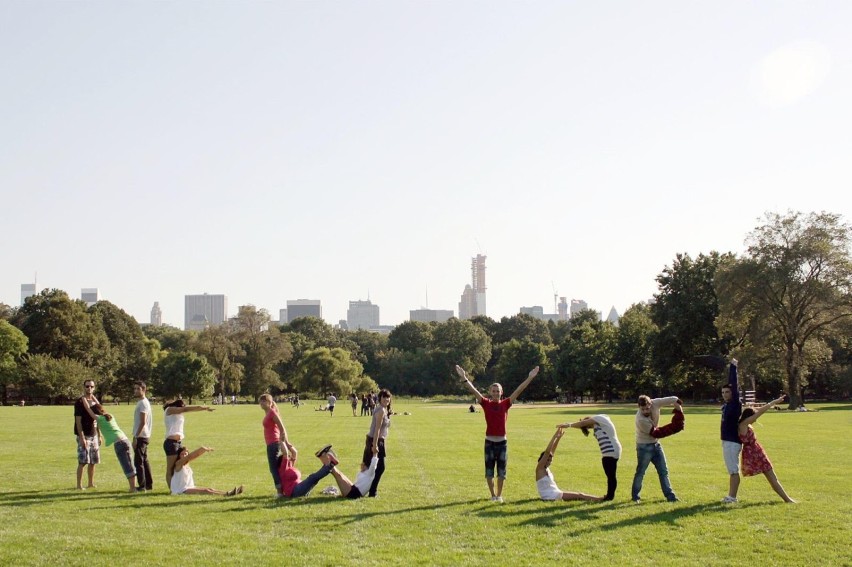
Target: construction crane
[555,297]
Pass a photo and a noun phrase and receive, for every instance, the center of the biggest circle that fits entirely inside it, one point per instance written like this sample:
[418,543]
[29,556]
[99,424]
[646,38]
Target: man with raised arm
[731,444]
[496,410]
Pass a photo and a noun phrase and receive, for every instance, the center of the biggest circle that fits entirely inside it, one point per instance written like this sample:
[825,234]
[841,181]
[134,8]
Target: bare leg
[80,476]
[343,483]
[91,473]
[201,490]
[580,496]
[734,485]
[776,485]
[490,482]
[500,486]
[132,482]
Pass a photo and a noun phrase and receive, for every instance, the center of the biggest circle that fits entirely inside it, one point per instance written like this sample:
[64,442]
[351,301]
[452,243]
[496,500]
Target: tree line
[784,307]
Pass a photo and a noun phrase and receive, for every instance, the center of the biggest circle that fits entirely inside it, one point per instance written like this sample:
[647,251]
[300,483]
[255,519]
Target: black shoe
[323,451]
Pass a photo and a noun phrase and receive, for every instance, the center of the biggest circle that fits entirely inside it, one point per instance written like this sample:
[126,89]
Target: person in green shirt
[113,435]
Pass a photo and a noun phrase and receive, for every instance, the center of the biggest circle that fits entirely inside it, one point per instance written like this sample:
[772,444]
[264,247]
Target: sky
[351,150]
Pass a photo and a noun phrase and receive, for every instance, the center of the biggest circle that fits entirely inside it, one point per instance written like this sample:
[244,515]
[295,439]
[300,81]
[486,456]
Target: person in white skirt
[183,481]
[544,482]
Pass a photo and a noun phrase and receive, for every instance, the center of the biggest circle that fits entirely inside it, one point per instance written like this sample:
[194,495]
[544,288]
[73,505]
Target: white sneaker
[497,499]
[728,500]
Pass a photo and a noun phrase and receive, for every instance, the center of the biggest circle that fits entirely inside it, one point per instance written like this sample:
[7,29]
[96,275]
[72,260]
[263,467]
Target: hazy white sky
[324,150]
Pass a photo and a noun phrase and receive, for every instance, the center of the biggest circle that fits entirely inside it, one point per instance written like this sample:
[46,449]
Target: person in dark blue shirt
[731,444]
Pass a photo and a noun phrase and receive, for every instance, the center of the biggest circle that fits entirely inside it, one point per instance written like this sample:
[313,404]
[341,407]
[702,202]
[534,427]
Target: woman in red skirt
[754,459]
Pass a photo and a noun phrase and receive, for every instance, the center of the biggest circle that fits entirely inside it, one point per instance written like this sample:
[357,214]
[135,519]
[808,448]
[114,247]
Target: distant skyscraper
[202,311]
[362,315]
[430,315]
[467,305]
[156,315]
[578,305]
[303,308]
[563,309]
[537,311]
[27,289]
[90,295]
[473,297]
[613,316]
[282,316]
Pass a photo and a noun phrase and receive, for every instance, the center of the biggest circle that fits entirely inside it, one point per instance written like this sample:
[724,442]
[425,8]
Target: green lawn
[433,506]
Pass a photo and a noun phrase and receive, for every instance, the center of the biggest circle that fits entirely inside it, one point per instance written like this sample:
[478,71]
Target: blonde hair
[268,398]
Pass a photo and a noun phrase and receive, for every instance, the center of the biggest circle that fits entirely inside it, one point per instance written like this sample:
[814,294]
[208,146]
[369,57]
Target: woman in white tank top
[183,481]
[174,420]
[544,482]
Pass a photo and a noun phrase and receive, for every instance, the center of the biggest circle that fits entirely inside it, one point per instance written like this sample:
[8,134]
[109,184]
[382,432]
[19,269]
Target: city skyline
[275,150]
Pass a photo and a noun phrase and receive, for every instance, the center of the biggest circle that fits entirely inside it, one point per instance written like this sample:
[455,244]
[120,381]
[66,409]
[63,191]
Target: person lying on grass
[544,482]
[183,481]
[292,485]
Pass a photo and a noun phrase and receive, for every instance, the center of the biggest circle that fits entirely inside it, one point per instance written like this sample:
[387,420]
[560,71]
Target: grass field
[433,506]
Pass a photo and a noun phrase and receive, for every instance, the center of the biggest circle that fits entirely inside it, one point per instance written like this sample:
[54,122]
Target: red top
[496,414]
[290,477]
[271,432]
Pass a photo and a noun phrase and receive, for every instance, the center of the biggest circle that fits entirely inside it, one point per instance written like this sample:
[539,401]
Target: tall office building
[156,315]
[578,305]
[563,309]
[282,316]
[362,315]
[27,289]
[537,311]
[430,315]
[613,316]
[303,308]
[90,295]
[473,297]
[202,311]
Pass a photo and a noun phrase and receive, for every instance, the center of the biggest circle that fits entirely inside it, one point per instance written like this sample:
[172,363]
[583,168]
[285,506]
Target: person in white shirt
[648,448]
[609,444]
[142,425]
[183,481]
[544,481]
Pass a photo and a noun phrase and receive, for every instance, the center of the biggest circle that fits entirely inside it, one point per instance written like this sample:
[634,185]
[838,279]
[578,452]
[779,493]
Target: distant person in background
[731,444]
[496,410]
[142,427]
[755,460]
[88,436]
[331,401]
[364,405]
[183,479]
[609,444]
[173,444]
[544,481]
[275,436]
[353,399]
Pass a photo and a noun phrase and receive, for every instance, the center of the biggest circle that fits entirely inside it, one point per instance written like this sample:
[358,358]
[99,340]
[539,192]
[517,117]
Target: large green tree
[183,374]
[326,369]
[13,344]
[222,350]
[263,348]
[54,379]
[131,354]
[791,288]
[517,358]
[633,350]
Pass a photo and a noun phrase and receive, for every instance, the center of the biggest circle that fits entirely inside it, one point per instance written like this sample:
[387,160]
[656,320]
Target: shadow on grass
[36,497]
[565,514]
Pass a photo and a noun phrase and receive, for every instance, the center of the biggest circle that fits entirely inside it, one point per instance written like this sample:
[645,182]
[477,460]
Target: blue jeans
[647,453]
[309,483]
[274,458]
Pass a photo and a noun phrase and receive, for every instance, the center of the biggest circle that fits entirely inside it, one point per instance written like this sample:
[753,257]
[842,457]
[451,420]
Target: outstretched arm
[584,423]
[465,381]
[733,381]
[191,457]
[551,449]
[675,426]
[524,385]
[761,410]
[186,409]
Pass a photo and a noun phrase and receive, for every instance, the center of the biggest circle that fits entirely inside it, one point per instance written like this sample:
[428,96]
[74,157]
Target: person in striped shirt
[609,444]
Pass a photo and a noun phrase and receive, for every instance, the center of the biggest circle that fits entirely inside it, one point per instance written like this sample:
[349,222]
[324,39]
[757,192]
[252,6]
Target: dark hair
[97,409]
[141,384]
[728,386]
[644,400]
[178,403]
[385,393]
[747,413]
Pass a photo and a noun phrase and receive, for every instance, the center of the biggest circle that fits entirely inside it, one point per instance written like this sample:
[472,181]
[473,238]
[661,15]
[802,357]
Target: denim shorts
[88,454]
[731,452]
[172,447]
[496,453]
[122,451]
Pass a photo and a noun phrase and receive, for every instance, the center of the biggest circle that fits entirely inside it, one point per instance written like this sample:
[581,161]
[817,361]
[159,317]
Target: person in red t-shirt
[496,410]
